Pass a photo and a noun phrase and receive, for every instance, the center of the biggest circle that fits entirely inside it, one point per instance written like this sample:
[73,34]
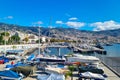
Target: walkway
[110,74]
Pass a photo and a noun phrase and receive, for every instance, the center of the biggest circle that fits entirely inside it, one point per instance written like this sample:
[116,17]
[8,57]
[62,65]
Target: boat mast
[39,37]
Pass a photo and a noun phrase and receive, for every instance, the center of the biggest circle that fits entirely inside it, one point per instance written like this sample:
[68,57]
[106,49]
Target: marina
[59,40]
[37,58]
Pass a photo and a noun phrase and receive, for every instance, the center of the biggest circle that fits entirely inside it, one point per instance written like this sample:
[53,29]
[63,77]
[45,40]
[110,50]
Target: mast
[39,38]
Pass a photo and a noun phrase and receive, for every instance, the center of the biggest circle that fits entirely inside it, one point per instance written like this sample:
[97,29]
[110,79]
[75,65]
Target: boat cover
[8,74]
[90,75]
[53,76]
[31,57]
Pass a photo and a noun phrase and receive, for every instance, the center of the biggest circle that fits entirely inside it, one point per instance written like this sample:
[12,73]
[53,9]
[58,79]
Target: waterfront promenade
[26,46]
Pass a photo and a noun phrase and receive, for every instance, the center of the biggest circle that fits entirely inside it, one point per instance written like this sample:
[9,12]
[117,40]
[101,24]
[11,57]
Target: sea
[113,50]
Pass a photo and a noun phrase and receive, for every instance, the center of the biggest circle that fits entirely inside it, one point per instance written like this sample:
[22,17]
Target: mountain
[62,32]
[114,33]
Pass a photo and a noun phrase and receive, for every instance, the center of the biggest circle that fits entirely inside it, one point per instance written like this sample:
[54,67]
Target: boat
[9,75]
[52,76]
[84,59]
[108,44]
[91,76]
[47,50]
[99,46]
[50,58]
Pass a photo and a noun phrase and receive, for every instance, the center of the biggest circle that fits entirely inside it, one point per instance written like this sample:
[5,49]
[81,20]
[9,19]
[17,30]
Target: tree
[26,39]
[46,40]
[15,38]
[67,74]
[14,47]
[5,34]
[38,41]
[3,37]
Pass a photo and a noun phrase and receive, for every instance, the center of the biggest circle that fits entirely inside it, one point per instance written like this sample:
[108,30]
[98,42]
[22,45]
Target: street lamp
[39,39]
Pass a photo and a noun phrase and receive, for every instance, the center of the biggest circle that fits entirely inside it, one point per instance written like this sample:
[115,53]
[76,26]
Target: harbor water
[113,51]
[56,51]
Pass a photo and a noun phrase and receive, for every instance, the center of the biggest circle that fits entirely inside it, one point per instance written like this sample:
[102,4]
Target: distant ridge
[61,32]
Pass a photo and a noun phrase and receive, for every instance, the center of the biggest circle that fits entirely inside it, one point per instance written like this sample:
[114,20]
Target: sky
[93,15]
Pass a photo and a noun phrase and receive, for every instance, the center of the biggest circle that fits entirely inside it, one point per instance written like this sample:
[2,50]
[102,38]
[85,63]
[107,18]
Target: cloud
[107,25]
[10,17]
[75,24]
[51,26]
[73,18]
[37,23]
[7,17]
[59,22]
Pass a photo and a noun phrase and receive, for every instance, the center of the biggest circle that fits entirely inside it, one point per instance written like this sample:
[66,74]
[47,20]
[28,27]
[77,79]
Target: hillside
[61,32]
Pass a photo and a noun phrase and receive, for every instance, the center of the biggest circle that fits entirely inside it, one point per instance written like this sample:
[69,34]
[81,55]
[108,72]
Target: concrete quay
[111,75]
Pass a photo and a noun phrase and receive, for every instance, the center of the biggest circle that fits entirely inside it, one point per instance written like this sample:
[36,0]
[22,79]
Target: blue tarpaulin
[8,74]
[20,64]
[15,65]
[31,57]
[4,58]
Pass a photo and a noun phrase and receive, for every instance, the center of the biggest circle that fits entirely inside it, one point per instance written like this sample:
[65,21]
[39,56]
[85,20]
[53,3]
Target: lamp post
[39,39]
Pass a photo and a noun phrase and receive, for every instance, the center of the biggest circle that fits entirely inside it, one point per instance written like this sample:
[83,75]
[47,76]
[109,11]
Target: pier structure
[91,50]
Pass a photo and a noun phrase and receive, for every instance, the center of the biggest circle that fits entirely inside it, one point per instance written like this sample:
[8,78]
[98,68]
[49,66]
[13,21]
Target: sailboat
[47,58]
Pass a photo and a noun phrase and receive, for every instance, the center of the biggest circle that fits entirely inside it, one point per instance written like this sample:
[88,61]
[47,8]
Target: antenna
[50,22]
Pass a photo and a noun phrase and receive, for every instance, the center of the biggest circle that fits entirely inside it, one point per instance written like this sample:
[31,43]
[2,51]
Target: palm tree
[71,68]
[67,74]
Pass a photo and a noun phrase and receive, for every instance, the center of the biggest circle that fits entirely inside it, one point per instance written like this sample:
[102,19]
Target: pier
[91,50]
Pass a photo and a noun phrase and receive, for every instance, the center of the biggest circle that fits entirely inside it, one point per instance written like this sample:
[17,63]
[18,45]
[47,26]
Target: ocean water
[113,51]
[55,51]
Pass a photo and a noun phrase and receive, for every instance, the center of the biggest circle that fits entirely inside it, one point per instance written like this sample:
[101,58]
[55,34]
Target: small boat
[47,50]
[99,46]
[9,75]
[108,44]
